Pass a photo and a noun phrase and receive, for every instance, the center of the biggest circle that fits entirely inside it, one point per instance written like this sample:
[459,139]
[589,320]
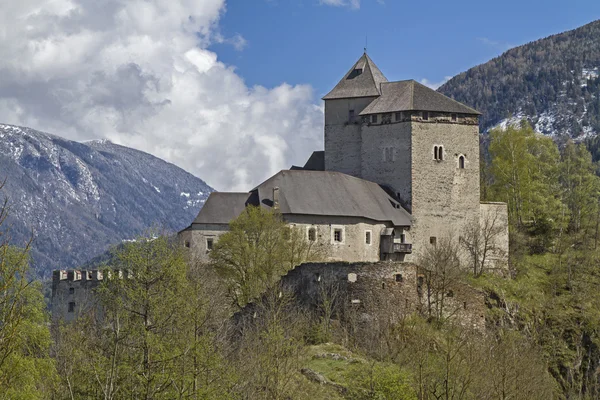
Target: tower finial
[366,43]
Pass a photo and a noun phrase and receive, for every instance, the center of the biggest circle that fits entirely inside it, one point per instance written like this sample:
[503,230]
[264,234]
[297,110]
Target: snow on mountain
[78,199]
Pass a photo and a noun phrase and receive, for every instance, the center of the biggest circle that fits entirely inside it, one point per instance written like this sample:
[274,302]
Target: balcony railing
[402,247]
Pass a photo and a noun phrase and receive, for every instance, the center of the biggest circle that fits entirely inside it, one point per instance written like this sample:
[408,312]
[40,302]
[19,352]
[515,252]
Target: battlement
[75,275]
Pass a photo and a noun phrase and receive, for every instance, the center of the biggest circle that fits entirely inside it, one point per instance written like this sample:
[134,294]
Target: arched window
[440,156]
[435,152]
[461,162]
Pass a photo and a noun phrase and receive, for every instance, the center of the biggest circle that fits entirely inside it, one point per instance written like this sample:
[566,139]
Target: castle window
[403,238]
[351,115]
[398,116]
[187,244]
[454,117]
[374,118]
[72,306]
[71,290]
[438,153]
[357,71]
[368,237]
[312,234]
[461,162]
[432,240]
[425,115]
[399,277]
[209,244]
[352,277]
[337,235]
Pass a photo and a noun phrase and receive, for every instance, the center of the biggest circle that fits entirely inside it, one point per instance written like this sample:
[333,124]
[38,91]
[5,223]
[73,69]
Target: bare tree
[441,269]
[481,240]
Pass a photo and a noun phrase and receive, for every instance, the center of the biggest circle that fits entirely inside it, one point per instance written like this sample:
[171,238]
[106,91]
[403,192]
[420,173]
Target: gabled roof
[354,84]
[329,193]
[222,207]
[411,96]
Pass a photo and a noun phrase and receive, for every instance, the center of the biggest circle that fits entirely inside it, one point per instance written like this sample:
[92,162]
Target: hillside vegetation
[175,328]
[553,82]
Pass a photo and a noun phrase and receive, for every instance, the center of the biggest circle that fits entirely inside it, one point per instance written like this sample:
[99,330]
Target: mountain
[78,199]
[553,82]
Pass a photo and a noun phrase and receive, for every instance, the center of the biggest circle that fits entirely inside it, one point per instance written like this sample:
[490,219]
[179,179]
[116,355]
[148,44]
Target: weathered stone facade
[73,293]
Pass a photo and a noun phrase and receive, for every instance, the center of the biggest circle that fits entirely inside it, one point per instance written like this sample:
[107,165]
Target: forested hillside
[553,82]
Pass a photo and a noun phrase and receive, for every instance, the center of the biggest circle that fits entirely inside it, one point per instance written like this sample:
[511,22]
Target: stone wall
[342,136]
[352,248]
[386,157]
[196,238]
[73,293]
[495,216]
[394,287]
[444,197]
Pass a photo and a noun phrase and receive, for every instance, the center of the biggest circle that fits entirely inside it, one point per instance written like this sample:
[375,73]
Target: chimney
[276,198]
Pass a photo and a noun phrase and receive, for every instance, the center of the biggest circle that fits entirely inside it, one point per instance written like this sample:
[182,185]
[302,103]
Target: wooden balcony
[405,248]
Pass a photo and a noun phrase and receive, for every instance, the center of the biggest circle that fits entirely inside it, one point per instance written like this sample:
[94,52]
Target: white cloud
[139,72]
[435,85]
[354,4]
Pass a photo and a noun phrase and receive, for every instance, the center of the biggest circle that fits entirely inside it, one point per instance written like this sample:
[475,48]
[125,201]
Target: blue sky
[229,89]
[305,41]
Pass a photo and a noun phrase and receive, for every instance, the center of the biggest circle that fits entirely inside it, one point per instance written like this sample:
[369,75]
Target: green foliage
[256,251]
[377,381]
[26,369]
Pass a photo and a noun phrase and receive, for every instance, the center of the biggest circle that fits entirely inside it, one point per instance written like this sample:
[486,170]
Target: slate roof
[410,96]
[222,207]
[316,162]
[329,193]
[365,84]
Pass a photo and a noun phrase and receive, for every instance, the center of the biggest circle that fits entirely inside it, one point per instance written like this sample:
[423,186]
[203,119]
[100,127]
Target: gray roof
[365,84]
[222,207]
[331,193]
[411,95]
[316,162]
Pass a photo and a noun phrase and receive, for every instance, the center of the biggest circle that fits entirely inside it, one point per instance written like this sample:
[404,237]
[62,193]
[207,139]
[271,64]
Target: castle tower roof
[411,96]
[362,80]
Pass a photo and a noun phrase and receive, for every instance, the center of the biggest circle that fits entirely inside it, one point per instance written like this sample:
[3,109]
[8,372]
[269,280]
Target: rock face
[553,82]
[78,199]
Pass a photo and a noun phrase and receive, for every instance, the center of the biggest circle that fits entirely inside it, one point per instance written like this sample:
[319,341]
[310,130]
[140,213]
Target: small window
[352,277]
[438,153]
[209,244]
[187,244]
[351,115]
[399,277]
[357,71]
[425,115]
[71,290]
[454,117]
[403,238]
[398,116]
[312,234]
[461,162]
[368,237]
[72,306]
[337,235]
[374,118]
[432,240]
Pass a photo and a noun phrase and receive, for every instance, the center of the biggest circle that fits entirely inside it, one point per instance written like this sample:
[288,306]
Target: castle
[400,170]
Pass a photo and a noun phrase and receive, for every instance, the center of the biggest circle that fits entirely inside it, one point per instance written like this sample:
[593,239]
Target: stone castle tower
[422,146]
